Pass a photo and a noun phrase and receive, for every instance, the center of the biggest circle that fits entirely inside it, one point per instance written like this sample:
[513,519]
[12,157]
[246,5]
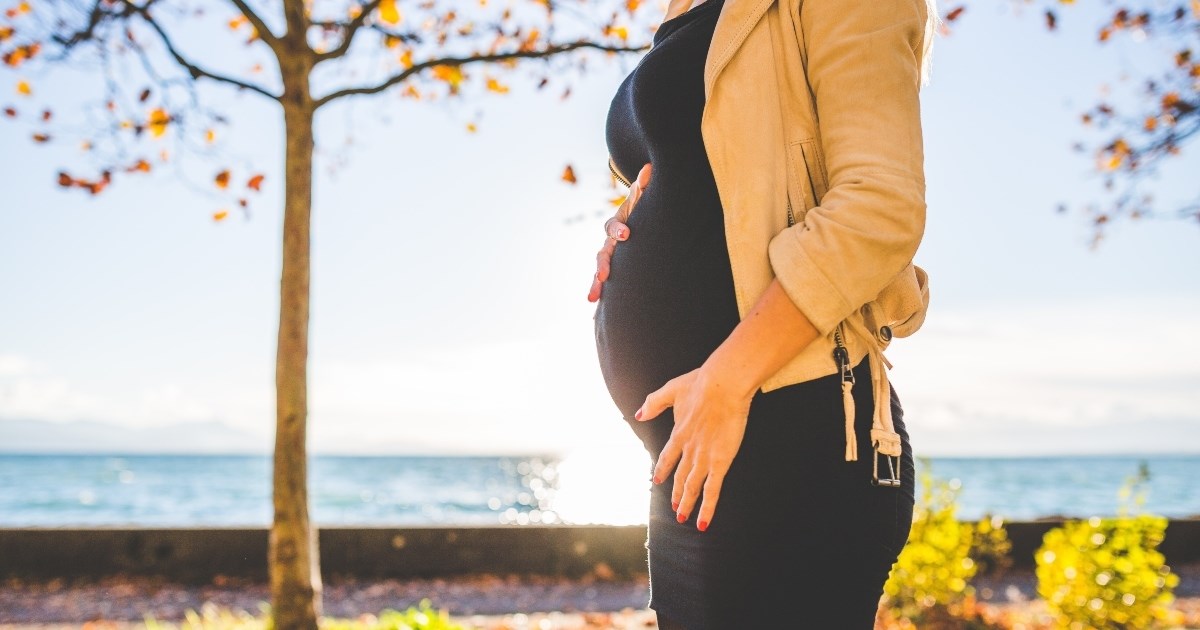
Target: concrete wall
[197,555]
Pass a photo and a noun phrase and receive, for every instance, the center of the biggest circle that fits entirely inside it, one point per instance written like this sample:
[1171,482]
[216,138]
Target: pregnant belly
[667,304]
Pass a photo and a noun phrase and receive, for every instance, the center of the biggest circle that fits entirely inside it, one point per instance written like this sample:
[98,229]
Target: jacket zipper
[791,218]
[841,356]
[613,168]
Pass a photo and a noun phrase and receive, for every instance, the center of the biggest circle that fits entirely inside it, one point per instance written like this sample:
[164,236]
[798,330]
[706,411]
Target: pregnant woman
[762,512]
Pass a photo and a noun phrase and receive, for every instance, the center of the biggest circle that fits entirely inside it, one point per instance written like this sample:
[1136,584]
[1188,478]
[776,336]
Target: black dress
[800,537]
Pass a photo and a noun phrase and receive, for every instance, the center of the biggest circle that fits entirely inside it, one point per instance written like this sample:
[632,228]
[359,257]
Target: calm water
[55,490]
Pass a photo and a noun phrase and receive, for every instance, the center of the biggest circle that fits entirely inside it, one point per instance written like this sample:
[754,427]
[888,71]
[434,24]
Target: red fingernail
[680,517]
[638,415]
[656,480]
[675,505]
[702,525]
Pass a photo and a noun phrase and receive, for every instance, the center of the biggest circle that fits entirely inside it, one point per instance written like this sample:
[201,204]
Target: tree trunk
[294,561]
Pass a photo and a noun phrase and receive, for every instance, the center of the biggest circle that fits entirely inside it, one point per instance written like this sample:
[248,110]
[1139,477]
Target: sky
[450,272]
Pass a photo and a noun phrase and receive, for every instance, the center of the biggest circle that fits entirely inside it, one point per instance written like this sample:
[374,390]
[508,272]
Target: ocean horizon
[594,487]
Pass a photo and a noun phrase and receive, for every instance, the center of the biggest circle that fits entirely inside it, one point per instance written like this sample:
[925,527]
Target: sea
[591,488]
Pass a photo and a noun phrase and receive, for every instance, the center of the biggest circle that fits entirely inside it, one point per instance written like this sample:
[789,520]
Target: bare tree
[422,49]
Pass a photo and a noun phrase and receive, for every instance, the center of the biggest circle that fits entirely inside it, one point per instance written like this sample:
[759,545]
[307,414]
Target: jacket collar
[737,19]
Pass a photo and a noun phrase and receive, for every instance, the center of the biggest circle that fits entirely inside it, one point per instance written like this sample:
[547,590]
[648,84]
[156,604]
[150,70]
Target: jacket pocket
[806,176]
[815,169]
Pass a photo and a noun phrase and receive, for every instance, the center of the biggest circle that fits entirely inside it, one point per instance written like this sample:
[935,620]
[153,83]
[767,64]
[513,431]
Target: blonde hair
[932,24]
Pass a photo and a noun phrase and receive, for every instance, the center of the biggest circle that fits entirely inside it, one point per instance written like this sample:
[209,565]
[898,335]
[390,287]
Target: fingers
[666,461]
[603,265]
[683,493]
[657,401]
[604,258]
[594,292]
[635,193]
[712,490]
[616,230]
[643,176]
[693,477]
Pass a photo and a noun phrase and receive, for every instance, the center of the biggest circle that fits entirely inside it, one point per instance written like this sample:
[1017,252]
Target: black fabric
[800,537]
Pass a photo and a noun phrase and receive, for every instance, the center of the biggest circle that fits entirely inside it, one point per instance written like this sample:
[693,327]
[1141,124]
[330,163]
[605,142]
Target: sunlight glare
[609,486]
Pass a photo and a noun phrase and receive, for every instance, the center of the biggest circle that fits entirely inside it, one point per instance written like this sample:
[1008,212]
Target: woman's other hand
[617,230]
[710,421]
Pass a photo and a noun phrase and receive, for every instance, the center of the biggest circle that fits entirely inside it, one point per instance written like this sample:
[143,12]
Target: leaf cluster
[1107,573]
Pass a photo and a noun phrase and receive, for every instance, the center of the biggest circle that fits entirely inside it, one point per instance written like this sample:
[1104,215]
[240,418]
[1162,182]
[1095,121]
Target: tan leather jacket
[836,210]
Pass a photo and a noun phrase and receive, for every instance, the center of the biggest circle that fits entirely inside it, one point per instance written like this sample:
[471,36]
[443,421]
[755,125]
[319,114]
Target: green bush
[1107,573]
[420,617]
[931,579]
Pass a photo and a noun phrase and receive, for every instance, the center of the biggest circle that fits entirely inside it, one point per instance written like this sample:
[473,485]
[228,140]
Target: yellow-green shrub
[1107,573]
[931,578]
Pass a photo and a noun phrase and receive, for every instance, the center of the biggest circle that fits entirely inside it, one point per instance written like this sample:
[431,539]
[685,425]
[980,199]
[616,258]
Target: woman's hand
[710,420]
[616,230]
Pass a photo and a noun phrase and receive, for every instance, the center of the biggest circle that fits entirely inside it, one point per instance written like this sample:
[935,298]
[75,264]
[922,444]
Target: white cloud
[1068,377]
[1052,377]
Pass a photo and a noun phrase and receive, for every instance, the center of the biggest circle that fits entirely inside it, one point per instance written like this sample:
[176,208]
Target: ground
[487,602]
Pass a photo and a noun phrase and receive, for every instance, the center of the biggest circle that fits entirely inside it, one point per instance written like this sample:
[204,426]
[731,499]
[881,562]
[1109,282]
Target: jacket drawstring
[883,434]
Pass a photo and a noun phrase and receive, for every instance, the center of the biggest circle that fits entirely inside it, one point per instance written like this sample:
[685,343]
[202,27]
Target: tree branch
[96,16]
[194,70]
[264,32]
[463,61]
[349,30]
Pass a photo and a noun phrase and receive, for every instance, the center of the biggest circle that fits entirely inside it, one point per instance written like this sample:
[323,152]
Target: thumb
[657,401]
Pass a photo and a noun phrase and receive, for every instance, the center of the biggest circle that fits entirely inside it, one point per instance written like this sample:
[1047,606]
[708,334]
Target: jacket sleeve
[863,65]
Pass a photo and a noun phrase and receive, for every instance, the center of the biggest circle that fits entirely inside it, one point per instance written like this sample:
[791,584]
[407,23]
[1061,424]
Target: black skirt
[800,537]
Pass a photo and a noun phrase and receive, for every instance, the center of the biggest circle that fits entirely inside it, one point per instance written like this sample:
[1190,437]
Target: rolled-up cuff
[804,282]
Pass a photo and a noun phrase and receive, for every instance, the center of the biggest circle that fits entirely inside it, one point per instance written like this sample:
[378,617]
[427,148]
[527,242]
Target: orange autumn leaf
[23,88]
[255,182]
[388,12]
[210,136]
[139,166]
[617,201]
[220,215]
[450,73]
[1151,123]
[472,128]
[222,179]
[19,10]
[41,137]
[569,174]
[158,122]
[406,58]
[496,86]
[617,31]
[955,13]
[6,32]
[237,22]
[11,112]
